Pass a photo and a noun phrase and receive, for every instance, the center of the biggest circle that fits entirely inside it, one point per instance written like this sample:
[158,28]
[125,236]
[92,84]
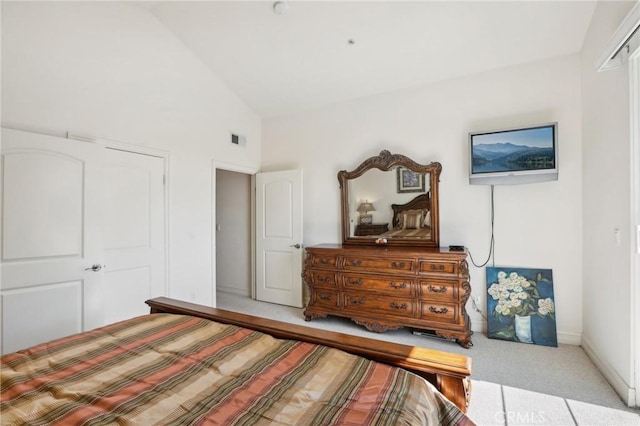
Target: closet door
[83,236]
[51,238]
[133,199]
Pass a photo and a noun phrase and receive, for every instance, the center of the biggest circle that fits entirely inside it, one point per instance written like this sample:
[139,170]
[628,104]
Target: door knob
[295,245]
[95,267]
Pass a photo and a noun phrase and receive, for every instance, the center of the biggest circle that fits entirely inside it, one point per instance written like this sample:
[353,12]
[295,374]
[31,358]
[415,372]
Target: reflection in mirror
[380,190]
[392,200]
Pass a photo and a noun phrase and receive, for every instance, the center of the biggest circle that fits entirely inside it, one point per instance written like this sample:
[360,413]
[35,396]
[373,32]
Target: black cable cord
[492,243]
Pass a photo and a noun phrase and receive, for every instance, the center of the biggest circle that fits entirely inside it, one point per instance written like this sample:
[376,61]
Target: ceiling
[320,53]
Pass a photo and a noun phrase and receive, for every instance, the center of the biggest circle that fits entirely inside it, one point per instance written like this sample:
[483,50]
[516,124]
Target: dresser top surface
[391,250]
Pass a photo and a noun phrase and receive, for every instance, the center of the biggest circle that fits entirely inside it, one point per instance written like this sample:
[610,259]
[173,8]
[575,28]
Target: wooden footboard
[449,372]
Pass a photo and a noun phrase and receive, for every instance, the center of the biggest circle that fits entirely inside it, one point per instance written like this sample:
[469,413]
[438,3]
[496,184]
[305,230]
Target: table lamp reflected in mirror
[364,209]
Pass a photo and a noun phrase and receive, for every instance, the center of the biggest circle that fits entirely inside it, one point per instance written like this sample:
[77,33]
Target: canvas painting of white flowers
[521,306]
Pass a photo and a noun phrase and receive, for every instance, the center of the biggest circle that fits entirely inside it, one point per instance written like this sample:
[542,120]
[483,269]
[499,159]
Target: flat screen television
[514,156]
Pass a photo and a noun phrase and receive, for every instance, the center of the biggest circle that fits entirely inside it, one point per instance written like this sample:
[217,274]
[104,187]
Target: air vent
[238,139]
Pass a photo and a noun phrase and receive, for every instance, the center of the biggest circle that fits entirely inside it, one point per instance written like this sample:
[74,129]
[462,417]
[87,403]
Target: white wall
[537,225]
[606,204]
[111,70]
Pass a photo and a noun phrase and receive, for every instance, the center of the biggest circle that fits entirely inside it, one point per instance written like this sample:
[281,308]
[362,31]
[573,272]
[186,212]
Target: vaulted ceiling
[318,53]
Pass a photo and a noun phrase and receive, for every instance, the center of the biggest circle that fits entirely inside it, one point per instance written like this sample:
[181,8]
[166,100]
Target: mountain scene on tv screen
[505,156]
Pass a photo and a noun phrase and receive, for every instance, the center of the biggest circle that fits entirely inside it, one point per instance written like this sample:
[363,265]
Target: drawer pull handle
[397,306]
[397,265]
[397,286]
[433,289]
[437,267]
[440,311]
[324,261]
[354,281]
[325,296]
[357,301]
[355,262]
[327,279]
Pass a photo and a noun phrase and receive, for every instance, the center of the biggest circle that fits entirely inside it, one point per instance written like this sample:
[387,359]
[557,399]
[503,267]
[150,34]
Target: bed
[412,219]
[189,364]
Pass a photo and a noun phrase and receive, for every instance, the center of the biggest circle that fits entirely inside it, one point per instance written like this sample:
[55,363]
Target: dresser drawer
[323,260]
[438,266]
[441,312]
[378,264]
[400,286]
[326,298]
[323,278]
[390,305]
[439,290]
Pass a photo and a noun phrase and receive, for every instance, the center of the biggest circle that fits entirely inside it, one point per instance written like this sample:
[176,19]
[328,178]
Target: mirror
[390,200]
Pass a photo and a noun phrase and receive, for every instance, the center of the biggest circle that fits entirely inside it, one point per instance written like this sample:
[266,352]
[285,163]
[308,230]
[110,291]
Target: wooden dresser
[384,288]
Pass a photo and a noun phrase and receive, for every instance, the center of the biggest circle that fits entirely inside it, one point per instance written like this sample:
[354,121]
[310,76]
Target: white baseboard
[569,338]
[618,383]
[480,326]
[234,290]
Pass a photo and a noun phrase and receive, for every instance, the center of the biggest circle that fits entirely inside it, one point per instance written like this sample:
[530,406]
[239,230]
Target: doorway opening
[233,233]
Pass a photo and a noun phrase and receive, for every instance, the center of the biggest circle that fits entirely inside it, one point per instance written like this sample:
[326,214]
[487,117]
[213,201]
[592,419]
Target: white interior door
[279,237]
[133,199]
[634,82]
[51,235]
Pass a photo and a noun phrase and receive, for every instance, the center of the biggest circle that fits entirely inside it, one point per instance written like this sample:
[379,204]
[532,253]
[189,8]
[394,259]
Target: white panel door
[51,237]
[133,191]
[279,237]
[634,82]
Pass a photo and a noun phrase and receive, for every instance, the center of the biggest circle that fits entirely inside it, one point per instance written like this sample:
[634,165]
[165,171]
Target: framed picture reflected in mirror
[409,181]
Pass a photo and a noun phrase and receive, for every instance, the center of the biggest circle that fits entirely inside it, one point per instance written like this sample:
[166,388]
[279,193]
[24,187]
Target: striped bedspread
[180,370]
[408,233]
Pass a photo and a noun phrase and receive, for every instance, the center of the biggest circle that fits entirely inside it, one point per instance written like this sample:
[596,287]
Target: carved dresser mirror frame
[385,162]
